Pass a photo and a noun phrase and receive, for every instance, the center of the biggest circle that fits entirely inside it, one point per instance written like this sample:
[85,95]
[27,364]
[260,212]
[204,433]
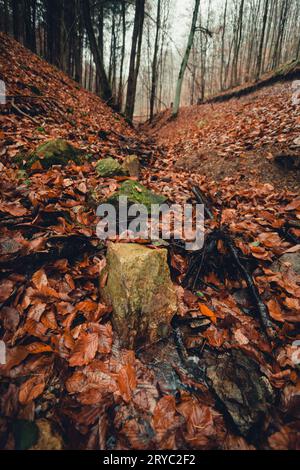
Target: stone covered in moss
[109,167]
[53,152]
[140,290]
[137,194]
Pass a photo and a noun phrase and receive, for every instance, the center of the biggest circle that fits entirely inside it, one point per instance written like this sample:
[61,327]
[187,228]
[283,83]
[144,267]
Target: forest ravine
[67,383]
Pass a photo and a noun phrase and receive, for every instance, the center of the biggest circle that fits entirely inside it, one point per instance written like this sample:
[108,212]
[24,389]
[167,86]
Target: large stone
[131,166]
[245,393]
[140,290]
[109,167]
[53,152]
[288,260]
[137,194]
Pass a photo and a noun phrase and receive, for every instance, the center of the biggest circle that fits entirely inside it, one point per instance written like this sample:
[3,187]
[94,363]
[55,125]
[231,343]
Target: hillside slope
[54,104]
[239,138]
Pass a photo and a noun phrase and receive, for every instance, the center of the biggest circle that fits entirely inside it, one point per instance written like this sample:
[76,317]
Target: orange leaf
[275,310]
[127,382]
[208,313]
[85,349]
[31,389]
[37,348]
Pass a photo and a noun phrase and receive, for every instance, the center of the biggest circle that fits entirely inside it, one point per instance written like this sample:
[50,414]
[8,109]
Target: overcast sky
[183,11]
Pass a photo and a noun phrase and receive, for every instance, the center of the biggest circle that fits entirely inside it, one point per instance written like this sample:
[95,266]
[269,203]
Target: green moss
[109,167]
[287,68]
[137,194]
[26,434]
[22,175]
[53,152]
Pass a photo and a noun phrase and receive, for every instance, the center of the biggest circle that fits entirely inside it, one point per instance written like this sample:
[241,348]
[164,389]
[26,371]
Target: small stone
[109,167]
[131,166]
[292,259]
[140,290]
[137,194]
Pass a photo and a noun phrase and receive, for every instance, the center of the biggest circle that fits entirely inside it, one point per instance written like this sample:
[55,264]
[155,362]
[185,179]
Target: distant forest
[126,51]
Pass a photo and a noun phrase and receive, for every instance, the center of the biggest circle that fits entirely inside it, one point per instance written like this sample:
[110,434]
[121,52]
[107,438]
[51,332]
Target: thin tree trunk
[262,40]
[154,62]
[120,93]
[185,59]
[223,46]
[135,58]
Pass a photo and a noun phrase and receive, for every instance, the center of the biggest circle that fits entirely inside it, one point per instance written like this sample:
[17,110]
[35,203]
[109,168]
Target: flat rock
[243,390]
[140,290]
[137,194]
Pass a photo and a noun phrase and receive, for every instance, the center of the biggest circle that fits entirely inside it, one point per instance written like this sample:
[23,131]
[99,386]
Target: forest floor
[244,392]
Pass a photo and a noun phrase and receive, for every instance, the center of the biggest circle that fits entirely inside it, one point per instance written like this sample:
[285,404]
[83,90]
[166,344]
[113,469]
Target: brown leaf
[275,310]
[85,349]
[127,382]
[31,389]
[6,289]
[17,210]
[40,279]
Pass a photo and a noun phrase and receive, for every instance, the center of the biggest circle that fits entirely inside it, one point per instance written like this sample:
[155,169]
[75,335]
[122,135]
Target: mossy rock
[53,152]
[137,194]
[140,290]
[49,439]
[110,167]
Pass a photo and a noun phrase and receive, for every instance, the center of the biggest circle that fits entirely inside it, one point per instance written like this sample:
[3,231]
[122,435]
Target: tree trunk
[238,39]
[106,92]
[185,59]
[120,92]
[154,77]
[16,12]
[135,57]
[223,46]
[262,40]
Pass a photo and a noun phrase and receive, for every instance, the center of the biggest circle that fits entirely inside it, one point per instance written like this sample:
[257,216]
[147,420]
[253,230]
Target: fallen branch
[19,111]
[261,307]
[202,200]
